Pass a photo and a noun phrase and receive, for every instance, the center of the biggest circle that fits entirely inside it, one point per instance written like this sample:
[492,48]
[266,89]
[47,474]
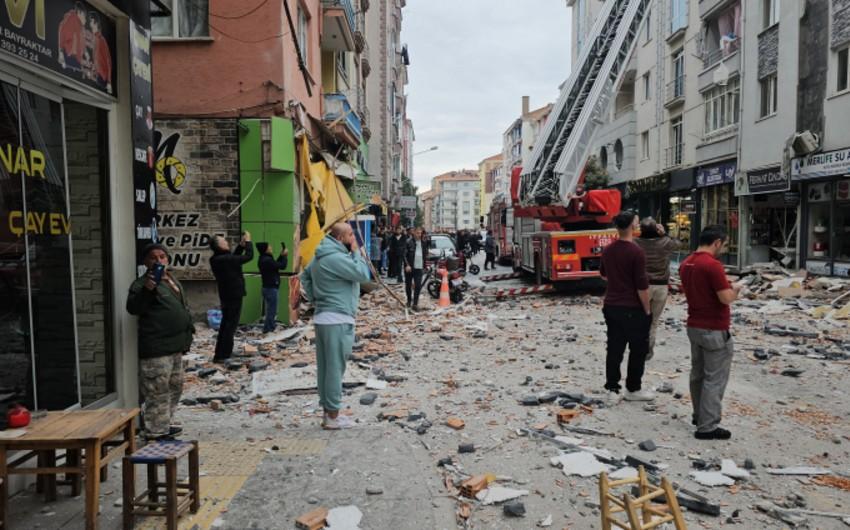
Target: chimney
[525,105]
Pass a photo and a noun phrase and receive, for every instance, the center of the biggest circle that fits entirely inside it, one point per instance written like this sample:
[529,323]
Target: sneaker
[175,430]
[640,395]
[611,398]
[717,434]
[151,437]
[338,423]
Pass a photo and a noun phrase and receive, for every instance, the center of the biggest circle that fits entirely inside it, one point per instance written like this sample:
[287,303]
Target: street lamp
[427,150]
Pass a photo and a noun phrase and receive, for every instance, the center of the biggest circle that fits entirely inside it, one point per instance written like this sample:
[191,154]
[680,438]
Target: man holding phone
[270,271]
[165,334]
[227,268]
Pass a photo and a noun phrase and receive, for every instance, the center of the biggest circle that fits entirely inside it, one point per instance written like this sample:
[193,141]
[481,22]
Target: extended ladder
[562,149]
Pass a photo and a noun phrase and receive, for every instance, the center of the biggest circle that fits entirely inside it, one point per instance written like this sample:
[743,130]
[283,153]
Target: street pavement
[265,459]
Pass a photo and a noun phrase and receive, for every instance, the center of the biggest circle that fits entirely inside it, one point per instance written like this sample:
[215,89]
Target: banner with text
[141,93]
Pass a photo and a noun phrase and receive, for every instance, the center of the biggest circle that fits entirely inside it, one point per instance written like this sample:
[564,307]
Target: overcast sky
[471,63]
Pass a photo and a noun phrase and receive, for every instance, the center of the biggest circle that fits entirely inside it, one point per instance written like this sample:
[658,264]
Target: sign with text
[768,181]
[408,202]
[144,182]
[716,174]
[69,37]
[649,184]
[828,164]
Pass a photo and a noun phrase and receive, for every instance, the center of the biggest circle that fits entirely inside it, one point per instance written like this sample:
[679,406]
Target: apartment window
[647,87]
[648,26]
[677,87]
[603,157]
[674,157]
[644,145]
[303,36]
[580,15]
[342,65]
[678,15]
[189,19]
[771,12]
[721,107]
[618,153]
[768,96]
[843,70]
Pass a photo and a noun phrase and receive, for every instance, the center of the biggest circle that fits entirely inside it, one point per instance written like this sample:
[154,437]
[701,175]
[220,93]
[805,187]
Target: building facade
[426,204]
[456,201]
[77,199]
[387,59]
[489,172]
[226,152]
[701,129]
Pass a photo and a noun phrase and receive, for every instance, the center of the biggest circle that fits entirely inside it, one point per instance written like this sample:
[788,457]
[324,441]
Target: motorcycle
[457,284]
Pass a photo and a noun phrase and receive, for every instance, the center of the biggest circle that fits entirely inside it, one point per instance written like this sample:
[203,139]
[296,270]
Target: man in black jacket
[415,252]
[165,334]
[227,269]
[398,244]
[270,271]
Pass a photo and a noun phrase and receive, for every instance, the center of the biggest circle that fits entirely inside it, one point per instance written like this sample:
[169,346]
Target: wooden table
[104,435]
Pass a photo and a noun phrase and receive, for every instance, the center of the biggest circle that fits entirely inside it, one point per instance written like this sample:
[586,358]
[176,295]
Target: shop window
[768,96]
[829,224]
[843,79]
[189,19]
[720,207]
[721,107]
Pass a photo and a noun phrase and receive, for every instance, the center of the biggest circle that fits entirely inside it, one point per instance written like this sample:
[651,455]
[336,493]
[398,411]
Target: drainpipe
[743,217]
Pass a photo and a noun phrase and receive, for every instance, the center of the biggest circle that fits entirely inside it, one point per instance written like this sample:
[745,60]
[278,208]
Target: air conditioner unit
[805,142]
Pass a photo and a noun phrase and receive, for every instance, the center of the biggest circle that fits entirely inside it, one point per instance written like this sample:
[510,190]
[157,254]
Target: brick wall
[86,185]
[200,158]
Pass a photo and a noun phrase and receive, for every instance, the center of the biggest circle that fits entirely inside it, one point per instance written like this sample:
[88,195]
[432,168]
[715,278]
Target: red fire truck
[501,219]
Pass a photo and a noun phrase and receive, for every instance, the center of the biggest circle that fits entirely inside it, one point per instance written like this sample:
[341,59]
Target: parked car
[441,245]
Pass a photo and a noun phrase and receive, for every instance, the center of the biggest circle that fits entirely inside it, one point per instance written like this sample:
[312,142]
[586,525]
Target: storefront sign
[187,243]
[716,174]
[768,181]
[69,37]
[818,267]
[408,202]
[649,184]
[363,191]
[831,163]
[792,198]
[143,151]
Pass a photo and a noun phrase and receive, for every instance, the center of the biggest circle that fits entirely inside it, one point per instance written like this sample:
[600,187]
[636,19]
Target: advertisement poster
[717,174]
[143,152]
[69,37]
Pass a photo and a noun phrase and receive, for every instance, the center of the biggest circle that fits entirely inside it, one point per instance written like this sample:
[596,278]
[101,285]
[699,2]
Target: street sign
[408,202]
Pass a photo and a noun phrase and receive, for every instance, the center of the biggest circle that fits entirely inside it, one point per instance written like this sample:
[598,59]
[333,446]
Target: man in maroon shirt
[709,296]
[626,310]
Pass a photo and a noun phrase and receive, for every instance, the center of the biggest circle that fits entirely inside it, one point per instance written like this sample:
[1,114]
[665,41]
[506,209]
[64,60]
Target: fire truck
[501,221]
[559,227]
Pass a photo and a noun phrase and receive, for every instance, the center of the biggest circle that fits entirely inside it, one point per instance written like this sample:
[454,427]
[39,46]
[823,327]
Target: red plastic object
[18,416]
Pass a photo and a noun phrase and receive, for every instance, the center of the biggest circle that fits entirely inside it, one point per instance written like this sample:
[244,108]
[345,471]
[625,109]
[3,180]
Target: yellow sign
[39,223]
[16,159]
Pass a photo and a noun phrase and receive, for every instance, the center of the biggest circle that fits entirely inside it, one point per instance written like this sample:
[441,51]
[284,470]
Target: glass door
[37,331]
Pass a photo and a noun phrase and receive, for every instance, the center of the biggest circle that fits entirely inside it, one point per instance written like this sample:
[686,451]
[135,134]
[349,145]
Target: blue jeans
[270,299]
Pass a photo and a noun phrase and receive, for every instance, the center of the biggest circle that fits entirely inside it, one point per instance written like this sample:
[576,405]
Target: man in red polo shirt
[709,295]
[626,310]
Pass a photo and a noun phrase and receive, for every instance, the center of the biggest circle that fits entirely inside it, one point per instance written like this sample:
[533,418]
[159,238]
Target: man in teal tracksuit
[332,284]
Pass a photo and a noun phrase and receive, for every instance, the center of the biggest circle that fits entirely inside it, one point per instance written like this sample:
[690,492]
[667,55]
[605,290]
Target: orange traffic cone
[445,301]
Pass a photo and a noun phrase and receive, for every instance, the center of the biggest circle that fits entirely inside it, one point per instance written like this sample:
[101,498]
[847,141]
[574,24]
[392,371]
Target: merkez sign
[69,37]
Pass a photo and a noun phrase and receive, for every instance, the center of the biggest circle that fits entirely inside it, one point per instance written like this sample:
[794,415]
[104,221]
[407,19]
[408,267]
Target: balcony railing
[338,112]
[675,90]
[710,58]
[345,5]
[673,155]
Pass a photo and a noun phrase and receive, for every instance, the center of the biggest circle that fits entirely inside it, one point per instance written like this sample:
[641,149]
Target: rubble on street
[499,403]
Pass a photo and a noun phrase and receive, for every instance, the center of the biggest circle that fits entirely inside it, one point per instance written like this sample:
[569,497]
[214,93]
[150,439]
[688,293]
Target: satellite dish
[721,74]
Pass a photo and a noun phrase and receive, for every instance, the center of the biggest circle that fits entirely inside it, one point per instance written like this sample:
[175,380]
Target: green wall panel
[283,145]
[250,145]
[252,304]
[252,210]
[280,194]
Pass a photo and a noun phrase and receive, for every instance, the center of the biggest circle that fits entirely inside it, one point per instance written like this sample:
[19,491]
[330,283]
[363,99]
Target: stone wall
[86,181]
[840,22]
[813,66]
[198,188]
[768,52]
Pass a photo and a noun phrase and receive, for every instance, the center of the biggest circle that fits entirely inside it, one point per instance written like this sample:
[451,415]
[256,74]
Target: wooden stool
[179,496]
[631,505]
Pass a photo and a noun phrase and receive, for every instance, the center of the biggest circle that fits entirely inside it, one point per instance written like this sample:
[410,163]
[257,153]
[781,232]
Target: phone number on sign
[24,53]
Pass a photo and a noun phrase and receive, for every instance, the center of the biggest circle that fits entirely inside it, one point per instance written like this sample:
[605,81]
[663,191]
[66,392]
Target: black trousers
[396,268]
[626,326]
[230,310]
[413,285]
[490,259]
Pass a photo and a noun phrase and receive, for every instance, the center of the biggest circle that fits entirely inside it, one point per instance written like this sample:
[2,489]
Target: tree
[595,178]
[407,188]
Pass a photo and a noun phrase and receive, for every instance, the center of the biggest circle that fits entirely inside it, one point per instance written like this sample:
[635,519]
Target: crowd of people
[636,267]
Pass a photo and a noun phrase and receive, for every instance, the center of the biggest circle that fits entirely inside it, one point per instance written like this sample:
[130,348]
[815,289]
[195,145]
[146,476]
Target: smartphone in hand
[158,271]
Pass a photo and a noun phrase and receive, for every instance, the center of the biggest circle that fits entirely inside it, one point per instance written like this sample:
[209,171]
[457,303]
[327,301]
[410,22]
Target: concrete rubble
[510,393]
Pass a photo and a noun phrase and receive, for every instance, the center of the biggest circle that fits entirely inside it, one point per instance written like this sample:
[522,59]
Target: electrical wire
[236,17]
[229,36]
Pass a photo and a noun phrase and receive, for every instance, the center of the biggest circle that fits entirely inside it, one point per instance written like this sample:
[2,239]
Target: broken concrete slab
[375,384]
[344,518]
[282,336]
[514,509]
[268,382]
[623,473]
[499,494]
[798,470]
[711,478]
[730,469]
[582,464]
[778,513]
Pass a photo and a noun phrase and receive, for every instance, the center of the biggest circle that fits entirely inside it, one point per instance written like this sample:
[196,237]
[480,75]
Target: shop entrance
[55,351]
[772,229]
